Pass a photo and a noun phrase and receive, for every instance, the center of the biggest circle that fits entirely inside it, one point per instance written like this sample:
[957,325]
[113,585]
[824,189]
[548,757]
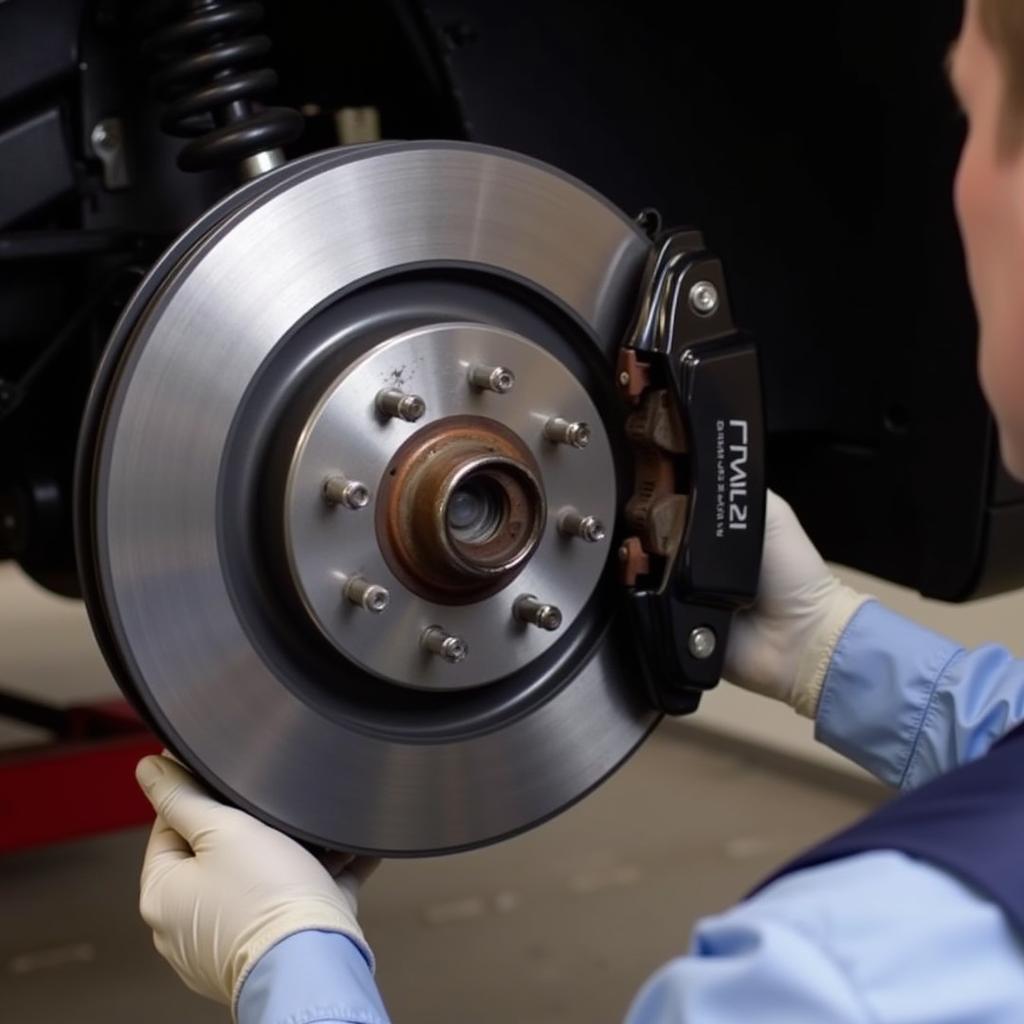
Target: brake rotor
[331,485]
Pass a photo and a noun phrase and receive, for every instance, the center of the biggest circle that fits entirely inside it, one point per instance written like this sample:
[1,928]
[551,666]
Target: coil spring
[209,88]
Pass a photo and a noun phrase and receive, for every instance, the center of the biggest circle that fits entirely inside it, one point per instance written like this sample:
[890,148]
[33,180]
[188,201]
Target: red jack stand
[82,783]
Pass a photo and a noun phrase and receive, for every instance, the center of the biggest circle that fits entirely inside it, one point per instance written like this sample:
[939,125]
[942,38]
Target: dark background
[814,145]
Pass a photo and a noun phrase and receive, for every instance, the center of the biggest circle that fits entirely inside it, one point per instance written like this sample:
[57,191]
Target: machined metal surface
[344,429]
[260,163]
[292,242]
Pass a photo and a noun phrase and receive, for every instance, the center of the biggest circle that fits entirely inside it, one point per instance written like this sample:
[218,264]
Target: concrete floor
[556,927]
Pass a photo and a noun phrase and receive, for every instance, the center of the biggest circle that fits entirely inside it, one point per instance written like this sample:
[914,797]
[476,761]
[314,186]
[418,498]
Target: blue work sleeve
[311,978]
[908,704]
[877,937]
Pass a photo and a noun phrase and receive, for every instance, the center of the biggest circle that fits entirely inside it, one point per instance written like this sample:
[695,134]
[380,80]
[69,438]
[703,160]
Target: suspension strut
[207,79]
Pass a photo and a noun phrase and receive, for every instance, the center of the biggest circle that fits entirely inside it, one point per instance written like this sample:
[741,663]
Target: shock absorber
[207,79]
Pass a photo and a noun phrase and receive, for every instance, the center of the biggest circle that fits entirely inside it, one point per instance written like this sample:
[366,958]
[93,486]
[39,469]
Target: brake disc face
[331,487]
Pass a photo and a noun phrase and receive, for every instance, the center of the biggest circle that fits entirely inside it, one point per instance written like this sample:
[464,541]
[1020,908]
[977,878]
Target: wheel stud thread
[498,379]
[560,431]
[535,613]
[586,528]
[447,647]
[339,491]
[396,404]
[366,595]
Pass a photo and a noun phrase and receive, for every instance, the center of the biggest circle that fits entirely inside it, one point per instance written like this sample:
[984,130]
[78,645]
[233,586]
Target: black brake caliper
[696,429]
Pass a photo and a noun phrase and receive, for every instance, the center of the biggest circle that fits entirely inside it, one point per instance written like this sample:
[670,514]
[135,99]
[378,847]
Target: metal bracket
[107,139]
[697,433]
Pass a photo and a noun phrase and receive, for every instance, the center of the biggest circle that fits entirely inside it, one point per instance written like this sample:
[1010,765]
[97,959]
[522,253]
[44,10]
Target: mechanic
[915,914]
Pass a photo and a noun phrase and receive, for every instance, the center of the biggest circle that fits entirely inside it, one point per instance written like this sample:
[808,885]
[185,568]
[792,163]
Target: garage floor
[556,927]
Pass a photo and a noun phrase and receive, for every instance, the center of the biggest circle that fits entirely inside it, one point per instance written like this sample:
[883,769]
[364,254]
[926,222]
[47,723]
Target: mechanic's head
[987,70]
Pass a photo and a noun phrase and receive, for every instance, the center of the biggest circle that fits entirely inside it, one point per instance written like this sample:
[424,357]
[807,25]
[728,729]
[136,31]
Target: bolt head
[356,496]
[592,530]
[704,298]
[528,609]
[702,643]
[549,618]
[502,380]
[350,493]
[624,379]
[376,599]
[411,408]
[499,379]
[105,135]
[579,435]
[454,650]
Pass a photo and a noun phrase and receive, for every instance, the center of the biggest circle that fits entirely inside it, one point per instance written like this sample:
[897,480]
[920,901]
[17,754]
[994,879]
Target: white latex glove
[219,888]
[783,645]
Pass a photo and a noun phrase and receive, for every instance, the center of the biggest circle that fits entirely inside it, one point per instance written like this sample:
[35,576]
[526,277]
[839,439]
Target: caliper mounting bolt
[704,299]
[702,642]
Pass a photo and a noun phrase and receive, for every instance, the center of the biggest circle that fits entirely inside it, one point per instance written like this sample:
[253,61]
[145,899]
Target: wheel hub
[464,501]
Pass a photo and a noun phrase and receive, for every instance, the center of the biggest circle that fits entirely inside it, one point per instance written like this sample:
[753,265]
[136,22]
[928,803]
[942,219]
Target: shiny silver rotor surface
[304,757]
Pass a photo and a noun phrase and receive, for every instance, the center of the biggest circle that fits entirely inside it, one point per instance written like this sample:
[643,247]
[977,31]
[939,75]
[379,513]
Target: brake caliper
[696,429]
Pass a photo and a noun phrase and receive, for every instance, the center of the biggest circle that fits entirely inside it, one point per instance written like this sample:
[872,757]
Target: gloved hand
[219,888]
[783,645]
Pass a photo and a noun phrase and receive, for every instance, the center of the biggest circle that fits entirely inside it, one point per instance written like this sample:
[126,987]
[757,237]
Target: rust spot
[411,510]
[633,376]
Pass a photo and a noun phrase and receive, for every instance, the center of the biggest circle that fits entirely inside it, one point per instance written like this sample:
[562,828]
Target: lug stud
[397,404]
[587,528]
[498,379]
[535,613]
[366,595]
[447,647]
[350,493]
[559,431]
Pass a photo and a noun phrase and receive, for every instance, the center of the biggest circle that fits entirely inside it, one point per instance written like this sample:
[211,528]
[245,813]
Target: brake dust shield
[332,553]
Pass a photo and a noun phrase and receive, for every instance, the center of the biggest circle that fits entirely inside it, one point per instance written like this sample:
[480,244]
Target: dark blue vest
[969,822]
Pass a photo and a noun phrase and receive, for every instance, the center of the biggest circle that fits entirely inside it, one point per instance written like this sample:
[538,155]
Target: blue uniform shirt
[877,937]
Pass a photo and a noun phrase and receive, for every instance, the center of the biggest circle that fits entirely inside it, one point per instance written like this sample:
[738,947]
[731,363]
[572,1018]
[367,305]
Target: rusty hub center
[460,510]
